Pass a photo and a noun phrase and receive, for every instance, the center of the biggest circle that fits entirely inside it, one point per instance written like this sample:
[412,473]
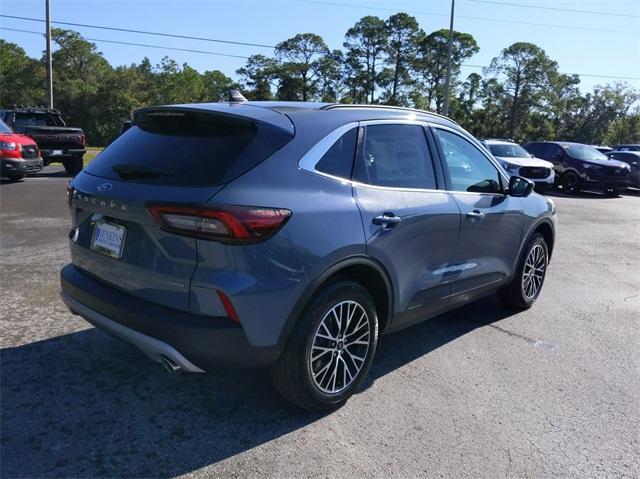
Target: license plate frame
[108,239]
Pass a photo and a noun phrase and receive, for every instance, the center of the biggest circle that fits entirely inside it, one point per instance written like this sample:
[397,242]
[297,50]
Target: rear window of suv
[188,149]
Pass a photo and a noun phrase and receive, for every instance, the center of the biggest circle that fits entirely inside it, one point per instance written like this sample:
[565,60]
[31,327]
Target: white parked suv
[518,161]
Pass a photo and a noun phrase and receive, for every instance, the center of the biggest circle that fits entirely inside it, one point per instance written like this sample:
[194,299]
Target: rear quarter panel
[264,281]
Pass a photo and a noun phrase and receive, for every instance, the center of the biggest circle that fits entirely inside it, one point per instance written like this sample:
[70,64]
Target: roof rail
[335,106]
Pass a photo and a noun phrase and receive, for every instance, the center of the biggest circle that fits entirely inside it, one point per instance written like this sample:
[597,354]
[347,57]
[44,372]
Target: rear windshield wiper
[130,172]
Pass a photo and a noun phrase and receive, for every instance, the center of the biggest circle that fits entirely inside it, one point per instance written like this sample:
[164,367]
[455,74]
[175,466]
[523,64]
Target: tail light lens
[83,139]
[238,224]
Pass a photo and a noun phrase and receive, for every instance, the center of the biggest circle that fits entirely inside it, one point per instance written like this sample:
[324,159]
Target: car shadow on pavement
[87,405]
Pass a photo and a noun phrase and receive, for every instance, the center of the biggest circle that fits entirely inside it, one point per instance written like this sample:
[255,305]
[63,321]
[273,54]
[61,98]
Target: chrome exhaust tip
[169,365]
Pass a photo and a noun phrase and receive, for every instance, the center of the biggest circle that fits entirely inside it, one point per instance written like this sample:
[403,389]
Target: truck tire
[73,166]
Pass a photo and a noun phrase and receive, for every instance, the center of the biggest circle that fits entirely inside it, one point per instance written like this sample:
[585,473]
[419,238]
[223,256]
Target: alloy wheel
[340,347]
[533,272]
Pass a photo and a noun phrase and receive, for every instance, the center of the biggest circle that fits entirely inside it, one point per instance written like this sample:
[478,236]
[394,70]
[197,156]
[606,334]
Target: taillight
[83,139]
[223,223]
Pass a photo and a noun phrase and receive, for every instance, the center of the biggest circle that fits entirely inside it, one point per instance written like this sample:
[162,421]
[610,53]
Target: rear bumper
[195,343]
[50,157]
[15,167]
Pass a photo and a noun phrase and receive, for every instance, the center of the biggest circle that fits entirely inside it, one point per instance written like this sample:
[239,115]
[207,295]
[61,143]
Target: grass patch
[91,154]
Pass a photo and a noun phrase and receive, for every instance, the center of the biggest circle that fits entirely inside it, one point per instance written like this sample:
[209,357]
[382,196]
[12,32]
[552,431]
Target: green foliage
[430,63]
[22,79]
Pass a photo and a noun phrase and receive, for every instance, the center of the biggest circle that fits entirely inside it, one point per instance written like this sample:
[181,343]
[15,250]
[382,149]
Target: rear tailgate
[56,137]
[177,156]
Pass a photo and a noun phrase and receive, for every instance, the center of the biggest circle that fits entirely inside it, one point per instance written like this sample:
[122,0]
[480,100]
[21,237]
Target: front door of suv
[491,222]
[410,226]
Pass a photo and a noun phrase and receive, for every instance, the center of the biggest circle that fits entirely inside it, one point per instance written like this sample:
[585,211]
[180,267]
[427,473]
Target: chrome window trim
[312,157]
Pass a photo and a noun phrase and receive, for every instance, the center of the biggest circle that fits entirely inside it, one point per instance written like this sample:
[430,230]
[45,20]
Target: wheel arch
[363,269]
[545,228]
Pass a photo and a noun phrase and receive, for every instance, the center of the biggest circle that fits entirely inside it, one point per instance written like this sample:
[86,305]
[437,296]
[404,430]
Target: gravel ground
[479,392]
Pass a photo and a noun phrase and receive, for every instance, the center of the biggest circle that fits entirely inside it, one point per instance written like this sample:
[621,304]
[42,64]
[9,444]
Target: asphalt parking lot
[479,392]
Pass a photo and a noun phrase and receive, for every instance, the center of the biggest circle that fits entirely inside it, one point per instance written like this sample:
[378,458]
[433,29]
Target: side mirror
[519,186]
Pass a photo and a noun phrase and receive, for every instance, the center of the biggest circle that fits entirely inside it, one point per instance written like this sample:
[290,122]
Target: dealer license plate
[108,239]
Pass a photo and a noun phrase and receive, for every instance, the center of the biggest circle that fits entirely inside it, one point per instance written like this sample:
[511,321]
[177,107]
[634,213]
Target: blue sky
[579,50]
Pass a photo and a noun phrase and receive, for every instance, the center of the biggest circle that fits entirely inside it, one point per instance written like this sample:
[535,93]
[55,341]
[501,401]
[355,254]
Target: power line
[579,74]
[556,9]
[467,17]
[128,30]
[138,44]
[468,65]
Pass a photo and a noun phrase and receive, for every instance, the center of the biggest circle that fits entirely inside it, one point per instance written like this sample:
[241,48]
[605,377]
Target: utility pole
[447,84]
[49,71]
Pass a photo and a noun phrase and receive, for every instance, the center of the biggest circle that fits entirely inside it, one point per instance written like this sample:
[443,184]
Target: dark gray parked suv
[292,235]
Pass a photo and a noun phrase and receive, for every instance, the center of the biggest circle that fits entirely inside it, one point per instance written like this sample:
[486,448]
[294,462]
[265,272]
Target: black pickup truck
[57,141]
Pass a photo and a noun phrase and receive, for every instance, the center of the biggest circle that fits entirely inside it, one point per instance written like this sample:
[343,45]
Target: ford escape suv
[293,235]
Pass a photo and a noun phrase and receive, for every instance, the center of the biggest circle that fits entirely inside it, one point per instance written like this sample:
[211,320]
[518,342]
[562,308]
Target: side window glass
[469,169]
[395,156]
[551,152]
[338,160]
[534,149]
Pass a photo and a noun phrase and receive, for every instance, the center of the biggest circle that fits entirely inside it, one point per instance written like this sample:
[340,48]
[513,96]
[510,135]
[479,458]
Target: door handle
[387,220]
[475,215]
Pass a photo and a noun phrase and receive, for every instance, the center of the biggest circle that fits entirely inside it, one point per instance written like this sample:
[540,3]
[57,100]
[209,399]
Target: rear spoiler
[233,111]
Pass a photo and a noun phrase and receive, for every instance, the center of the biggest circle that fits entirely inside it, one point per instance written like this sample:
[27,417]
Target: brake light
[83,139]
[224,223]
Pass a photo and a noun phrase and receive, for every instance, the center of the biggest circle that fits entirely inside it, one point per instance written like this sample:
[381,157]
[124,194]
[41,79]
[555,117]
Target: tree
[600,108]
[623,130]
[430,64]
[301,59]
[259,75]
[366,42]
[79,70]
[403,34]
[330,68]
[22,79]
[216,86]
[524,70]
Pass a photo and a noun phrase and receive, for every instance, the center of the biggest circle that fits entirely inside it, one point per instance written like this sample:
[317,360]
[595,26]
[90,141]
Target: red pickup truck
[19,154]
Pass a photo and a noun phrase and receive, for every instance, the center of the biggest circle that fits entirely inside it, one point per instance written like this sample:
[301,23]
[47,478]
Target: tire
[73,165]
[518,292]
[323,384]
[570,182]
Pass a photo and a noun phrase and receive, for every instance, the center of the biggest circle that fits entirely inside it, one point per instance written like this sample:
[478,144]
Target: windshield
[509,151]
[584,152]
[4,128]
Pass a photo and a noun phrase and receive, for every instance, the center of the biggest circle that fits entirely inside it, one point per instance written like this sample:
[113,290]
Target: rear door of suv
[173,159]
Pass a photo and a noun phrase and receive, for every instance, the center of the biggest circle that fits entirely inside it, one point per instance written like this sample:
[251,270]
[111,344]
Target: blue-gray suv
[293,235]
